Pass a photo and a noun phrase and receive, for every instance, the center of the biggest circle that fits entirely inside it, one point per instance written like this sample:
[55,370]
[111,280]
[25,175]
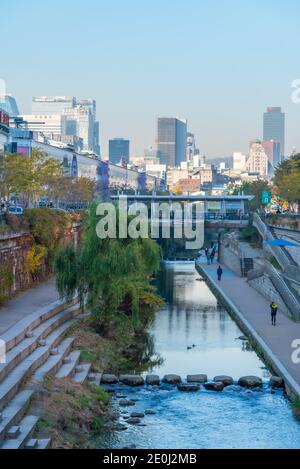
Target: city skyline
[231,84]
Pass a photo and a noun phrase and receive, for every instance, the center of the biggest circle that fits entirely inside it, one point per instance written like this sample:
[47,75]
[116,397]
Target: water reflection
[192,315]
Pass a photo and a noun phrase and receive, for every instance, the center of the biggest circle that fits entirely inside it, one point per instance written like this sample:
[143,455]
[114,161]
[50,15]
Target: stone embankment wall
[264,286]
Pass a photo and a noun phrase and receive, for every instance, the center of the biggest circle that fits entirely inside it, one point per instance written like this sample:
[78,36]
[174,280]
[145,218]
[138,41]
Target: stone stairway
[35,346]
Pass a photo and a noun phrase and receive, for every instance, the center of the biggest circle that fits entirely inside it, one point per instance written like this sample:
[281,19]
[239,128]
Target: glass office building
[118,150]
[171,140]
[274,127]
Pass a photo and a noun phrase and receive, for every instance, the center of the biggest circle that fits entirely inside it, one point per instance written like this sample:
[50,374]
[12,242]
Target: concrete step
[32,443]
[27,426]
[81,376]
[17,333]
[44,443]
[68,369]
[14,411]
[54,362]
[9,387]
[28,345]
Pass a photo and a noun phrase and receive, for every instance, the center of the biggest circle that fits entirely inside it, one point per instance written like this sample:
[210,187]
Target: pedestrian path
[254,311]
[26,302]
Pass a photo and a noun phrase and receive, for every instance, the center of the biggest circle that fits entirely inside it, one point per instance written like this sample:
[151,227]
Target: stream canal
[233,418]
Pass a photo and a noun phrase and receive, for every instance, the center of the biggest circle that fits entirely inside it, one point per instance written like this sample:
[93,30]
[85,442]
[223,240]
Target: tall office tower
[274,127]
[91,105]
[171,140]
[258,159]
[9,105]
[79,121]
[118,151]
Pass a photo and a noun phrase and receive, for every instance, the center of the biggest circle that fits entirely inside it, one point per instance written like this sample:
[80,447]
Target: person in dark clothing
[274,309]
[212,255]
[206,251]
[219,273]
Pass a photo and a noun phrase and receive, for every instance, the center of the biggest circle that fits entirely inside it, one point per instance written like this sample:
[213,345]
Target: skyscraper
[9,105]
[118,150]
[171,140]
[274,127]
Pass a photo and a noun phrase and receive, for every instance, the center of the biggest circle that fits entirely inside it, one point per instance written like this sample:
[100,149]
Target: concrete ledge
[292,387]
[14,411]
[27,427]
[68,369]
[15,334]
[53,362]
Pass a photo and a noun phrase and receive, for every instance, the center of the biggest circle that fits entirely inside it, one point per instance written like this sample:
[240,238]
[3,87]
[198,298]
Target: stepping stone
[214,386]
[226,380]
[171,379]
[13,432]
[107,378]
[276,382]
[200,378]
[32,443]
[250,381]
[152,380]
[188,387]
[132,380]
[133,420]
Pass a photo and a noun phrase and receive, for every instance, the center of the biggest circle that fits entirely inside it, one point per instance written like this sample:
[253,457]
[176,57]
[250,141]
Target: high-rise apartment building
[9,105]
[274,127]
[118,150]
[171,140]
[191,149]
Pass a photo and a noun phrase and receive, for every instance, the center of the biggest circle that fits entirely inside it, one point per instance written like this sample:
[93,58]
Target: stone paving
[255,310]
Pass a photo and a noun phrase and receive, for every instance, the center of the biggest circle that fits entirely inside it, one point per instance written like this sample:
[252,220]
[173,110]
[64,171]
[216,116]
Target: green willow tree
[255,188]
[114,275]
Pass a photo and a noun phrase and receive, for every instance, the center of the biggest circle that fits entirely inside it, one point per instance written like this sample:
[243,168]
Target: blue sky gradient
[217,63]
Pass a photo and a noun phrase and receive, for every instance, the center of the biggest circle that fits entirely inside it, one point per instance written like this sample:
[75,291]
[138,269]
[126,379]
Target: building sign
[266,197]
[213,205]
[233,205]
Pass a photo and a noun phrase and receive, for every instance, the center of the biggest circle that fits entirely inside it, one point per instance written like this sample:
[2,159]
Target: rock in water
[188,387]
[126,402]
[226,380]
[250,381]
[276,382]
[171,379]
[132,380]
[139,415]
[201,378]
[150,411]
[152,380]
[133,420]
[108,379]
[214,386]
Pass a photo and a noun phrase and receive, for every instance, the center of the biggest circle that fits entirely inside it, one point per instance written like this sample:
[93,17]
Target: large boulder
[133,420]
[226,380]
[132,380]
[200,378]
[214,386]
[276,382]
[171,379]
[152,380]
[108,379]
[139,415]
[250,381]
[188,387]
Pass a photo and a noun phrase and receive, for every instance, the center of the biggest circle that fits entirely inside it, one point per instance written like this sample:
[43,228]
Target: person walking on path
[219,273]
[274,309]
[212,255]
[208,257]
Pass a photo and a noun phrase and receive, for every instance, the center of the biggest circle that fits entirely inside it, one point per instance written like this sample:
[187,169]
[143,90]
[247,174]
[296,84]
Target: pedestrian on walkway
[208,257]
[274,309]
[206,251]
[212,255]
[219,273]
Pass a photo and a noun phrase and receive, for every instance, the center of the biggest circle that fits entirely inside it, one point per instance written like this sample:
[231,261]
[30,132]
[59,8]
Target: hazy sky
[217,63]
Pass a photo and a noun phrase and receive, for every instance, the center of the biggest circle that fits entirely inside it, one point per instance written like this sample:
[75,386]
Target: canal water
[233,418]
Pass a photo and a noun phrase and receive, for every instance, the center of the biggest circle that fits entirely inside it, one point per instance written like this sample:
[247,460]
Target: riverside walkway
[252,312]
[27,302]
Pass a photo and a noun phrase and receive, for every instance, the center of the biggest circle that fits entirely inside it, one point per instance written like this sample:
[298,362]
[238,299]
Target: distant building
[272,150]
[118,150]
[4,129]
[274,127]
[239,162]
[258,159]
[191,149]
[66,115]
[174,175]
[189,185]
[171,140]
[9,105]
